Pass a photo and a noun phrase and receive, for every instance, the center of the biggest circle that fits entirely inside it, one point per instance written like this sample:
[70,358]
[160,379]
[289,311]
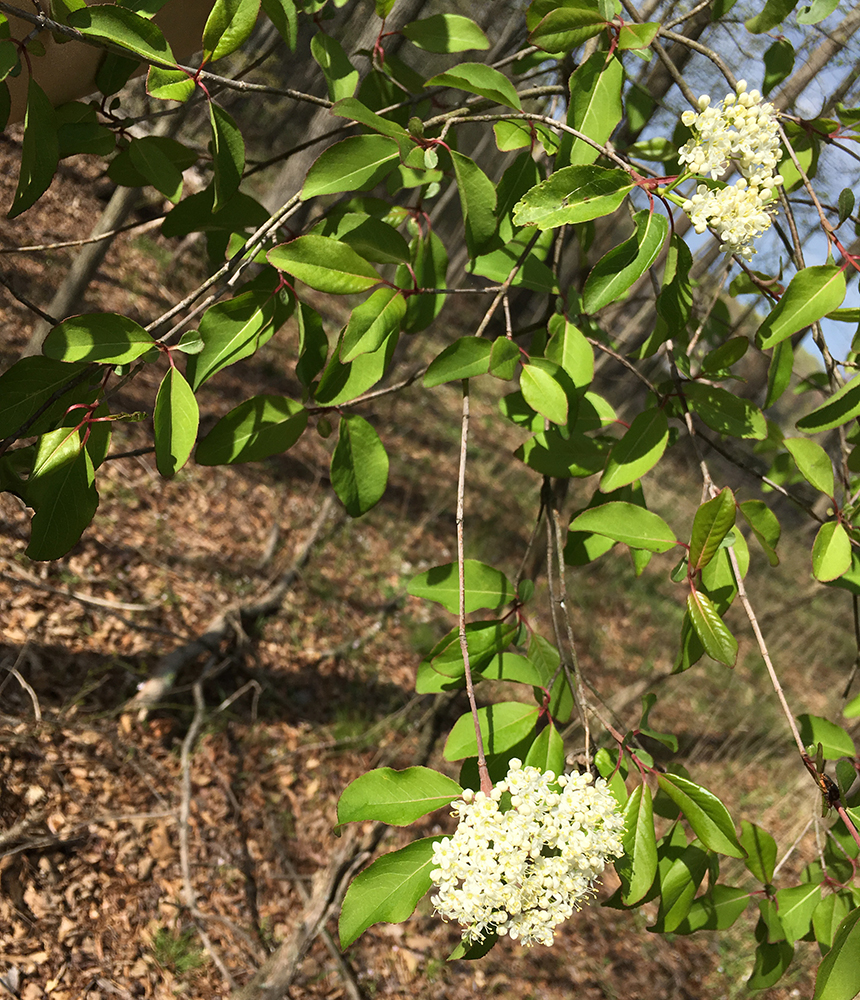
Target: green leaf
[568,347]
[594,108]
[678,886]
[773,14]
[615,272]
[638,866]
[842,406]
[724,412]
[542,391]
[169,84]
[106,338]
[340,383]
[257,428]
[779,372]
[151,161]
[562,29]
[324,264]
[445,33]
[828,915]
[765,527]
[396,797]
[340,75]
[796,905]
[61,489]
[835,742]
[503,725]
[547,751]
[359,465]
[813,463]
[831,552]
[124,28]
[550,454]
[371,238]
[846,204]
[388,890]
[354,110]
[176,420]
[154,149]
[717,910]
[372,322]
[228,156]
[628,523]
[838,976]
[465,358]
[504,359]
[723,357]
[228,27]
[79,131]
[485,587]
[443,668]
[778,64]
[719,643]
[708,817]
[39,150]
[313,344]
[713,521]
[811,294]
[478,201]
[232,330]
[638,451]
[478,78]
[571,195]
[358,163]
[283,14]
[429,267]
[771,961]
[512,667]
[675,301]
[546,660]
[816,11]
[761,851]
[196,214]
[637,36]
[28,385]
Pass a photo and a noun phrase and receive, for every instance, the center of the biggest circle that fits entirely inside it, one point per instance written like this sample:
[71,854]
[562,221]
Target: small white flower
[536,862]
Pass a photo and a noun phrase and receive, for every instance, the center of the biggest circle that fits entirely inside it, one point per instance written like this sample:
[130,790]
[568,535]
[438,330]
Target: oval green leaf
[708,817]
[106,338]
[325,264]
[831,552]
[811,294]
[396,797]
[628,523]
[813,463]
[359,465]
[571,195]
[718,641]
[713,521]
[485,586]
[176,419]
[389,890]
[638,451]
[503,725]
[254,430]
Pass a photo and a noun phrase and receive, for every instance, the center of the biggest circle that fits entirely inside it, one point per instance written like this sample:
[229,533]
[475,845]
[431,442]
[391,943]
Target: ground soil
[94,902]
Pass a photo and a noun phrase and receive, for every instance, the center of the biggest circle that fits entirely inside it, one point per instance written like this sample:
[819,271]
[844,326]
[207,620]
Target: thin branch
[184,828]
[486,784]
[762,645]
[26,302]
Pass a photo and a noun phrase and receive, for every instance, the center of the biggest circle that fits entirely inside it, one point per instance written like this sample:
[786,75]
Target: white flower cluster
[523,858]
[744,129]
